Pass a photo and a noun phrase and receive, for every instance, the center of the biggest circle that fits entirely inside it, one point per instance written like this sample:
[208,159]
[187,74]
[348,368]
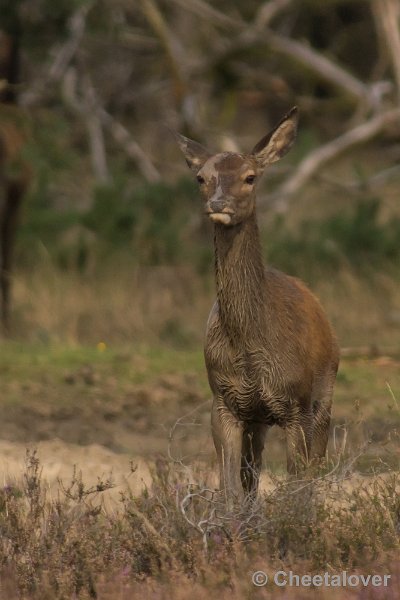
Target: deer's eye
[250,179]
[200,179]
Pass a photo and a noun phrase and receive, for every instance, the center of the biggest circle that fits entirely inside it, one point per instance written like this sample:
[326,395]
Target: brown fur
[270,352]
[15,172]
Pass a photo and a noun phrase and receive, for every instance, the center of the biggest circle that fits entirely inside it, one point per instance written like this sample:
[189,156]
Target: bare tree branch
[317,159]
[120,134]
[325,68]
[62,58]
[186,104]
[95,130]
[268,10]
[375,181]
[173,51]
[85,107]
[124,139]
[257,32]
[387,17]
[205,11]
[65,54]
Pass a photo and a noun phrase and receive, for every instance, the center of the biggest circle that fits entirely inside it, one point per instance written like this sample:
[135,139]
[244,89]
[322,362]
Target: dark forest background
[112,243]
[102,376]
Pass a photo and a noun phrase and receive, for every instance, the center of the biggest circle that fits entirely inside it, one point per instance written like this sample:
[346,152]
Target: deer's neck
[240,278]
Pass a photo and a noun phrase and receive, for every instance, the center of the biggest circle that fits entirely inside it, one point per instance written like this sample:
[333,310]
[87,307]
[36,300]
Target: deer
[270,352]
[15,171]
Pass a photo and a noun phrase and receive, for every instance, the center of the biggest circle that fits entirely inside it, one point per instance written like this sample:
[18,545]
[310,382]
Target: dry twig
[62,56]
[124,139]
[259,32]
[86,107]
[92,110]
[317,159]
[387,17]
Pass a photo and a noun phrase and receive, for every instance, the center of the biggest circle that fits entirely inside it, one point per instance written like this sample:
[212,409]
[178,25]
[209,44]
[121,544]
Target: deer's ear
[277,142]
[195,154]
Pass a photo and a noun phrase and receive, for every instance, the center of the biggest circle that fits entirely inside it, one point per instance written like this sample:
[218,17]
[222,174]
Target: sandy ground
[58,459]
[94,462]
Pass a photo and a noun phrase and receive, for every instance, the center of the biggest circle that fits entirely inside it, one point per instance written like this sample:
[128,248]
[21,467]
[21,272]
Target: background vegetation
[114,281]
[103,81]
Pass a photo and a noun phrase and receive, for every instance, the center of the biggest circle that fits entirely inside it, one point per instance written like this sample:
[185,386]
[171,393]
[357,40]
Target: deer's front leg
[253,445]
[227,433]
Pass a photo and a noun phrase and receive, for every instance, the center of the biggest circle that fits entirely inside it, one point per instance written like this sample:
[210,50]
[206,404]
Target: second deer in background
[270,352]
[15,172]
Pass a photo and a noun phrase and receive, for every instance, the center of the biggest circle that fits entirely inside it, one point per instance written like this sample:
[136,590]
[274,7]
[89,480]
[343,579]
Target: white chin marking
[223,218]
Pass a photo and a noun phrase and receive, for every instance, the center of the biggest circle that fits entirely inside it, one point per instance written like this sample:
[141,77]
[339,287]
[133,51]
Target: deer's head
[228,180]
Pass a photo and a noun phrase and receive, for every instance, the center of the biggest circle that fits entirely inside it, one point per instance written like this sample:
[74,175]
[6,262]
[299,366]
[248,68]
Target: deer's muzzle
[217,206]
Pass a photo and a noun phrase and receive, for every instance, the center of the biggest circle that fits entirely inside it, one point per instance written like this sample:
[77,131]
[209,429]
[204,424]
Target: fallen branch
[317,159]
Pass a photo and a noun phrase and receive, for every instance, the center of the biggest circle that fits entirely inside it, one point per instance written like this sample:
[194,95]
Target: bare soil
[91,418]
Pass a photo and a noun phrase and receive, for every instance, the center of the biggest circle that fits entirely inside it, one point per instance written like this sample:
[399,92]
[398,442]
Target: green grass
[68,545]
[362,384]
[138,364]
[360,381]
[147,388]
[84,395]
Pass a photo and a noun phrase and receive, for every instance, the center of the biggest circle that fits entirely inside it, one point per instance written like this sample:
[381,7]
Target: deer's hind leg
[322,406]
[299,432]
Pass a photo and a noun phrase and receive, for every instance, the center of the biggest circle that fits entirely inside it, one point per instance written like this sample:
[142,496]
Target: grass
[111,362]
[361,381]
[137,364]
[131,305]
[176,539]
[147,388]
[365,381]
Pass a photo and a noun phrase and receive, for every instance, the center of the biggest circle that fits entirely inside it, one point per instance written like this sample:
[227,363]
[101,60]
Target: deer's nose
[217,205]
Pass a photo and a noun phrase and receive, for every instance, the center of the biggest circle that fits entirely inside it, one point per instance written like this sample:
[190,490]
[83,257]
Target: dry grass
[176,539]
[122,304]
[172,304]
[363,312]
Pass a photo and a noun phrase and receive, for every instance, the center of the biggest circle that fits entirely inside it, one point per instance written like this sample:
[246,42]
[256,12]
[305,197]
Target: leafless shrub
[70,546]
